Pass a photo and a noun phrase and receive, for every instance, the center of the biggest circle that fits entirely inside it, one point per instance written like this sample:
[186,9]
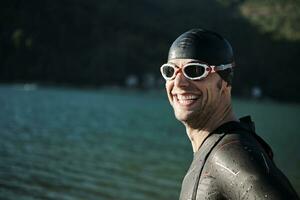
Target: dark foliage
[91,42]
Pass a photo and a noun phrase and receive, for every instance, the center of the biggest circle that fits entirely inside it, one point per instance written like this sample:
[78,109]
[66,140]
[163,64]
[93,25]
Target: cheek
[169,87]
[212,85]
[214,92]
[210,93]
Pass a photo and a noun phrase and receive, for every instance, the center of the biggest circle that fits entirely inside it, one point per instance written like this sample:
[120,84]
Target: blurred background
[83,110]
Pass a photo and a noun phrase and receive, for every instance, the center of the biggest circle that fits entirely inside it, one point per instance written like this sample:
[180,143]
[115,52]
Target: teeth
[187,97]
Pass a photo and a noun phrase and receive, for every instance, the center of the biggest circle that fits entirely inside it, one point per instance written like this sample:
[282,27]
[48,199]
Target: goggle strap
[223,67]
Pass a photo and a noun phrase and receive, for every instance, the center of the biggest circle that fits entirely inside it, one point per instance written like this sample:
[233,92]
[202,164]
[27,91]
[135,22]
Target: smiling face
[194,102]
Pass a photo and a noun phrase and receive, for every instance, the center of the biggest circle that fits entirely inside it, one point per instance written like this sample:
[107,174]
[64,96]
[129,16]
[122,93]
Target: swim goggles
[192,71]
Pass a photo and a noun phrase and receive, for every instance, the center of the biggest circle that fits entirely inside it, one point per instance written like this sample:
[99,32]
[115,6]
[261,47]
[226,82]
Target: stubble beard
[191,117]
[200,116]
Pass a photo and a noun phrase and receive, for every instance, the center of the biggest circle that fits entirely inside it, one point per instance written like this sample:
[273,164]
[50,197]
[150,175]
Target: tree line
[100,43]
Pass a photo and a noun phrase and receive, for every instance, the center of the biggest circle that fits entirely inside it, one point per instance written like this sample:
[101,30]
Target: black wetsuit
[234,163]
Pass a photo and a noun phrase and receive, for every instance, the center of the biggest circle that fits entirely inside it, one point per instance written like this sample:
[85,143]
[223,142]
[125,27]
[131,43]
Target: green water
[109,144]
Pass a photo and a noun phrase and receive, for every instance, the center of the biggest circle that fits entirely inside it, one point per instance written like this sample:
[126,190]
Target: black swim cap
[206,46]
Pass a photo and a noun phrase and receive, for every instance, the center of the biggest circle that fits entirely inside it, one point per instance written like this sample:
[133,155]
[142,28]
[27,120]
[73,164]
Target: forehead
[181,62]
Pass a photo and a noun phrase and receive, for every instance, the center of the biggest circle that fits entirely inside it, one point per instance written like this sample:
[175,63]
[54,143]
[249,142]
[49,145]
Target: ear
[225,87]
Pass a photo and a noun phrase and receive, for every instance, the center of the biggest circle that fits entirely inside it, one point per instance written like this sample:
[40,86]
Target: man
[230,160]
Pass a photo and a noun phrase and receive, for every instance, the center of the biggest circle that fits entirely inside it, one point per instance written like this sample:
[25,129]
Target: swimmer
[230,160]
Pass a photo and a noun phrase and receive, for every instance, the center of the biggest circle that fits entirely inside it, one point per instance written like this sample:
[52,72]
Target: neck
[197,134]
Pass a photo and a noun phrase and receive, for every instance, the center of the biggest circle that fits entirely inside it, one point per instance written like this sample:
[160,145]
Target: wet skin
[197,102]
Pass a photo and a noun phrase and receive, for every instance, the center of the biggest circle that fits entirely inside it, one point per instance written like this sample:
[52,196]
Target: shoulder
[240,153]
[242,169]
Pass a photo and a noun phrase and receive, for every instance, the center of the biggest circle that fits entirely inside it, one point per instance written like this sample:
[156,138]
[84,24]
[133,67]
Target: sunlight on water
[101,144]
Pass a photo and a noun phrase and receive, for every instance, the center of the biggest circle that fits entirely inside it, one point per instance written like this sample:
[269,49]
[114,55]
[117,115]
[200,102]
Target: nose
[180,80]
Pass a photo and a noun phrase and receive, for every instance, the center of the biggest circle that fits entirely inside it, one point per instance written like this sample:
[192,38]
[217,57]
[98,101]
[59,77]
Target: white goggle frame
[207,70]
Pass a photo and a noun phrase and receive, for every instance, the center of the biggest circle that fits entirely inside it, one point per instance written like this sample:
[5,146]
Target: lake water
[73,144]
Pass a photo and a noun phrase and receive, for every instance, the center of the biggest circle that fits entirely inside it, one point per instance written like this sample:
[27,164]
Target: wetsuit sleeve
[244,171]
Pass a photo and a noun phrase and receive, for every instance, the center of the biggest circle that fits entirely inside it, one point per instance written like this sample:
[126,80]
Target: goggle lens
[168,71]
[194,71]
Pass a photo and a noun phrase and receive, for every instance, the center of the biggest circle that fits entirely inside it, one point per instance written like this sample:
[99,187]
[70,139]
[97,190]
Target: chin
[183,116]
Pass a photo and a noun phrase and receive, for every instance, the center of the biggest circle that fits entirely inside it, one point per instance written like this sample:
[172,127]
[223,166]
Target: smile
[185,100]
